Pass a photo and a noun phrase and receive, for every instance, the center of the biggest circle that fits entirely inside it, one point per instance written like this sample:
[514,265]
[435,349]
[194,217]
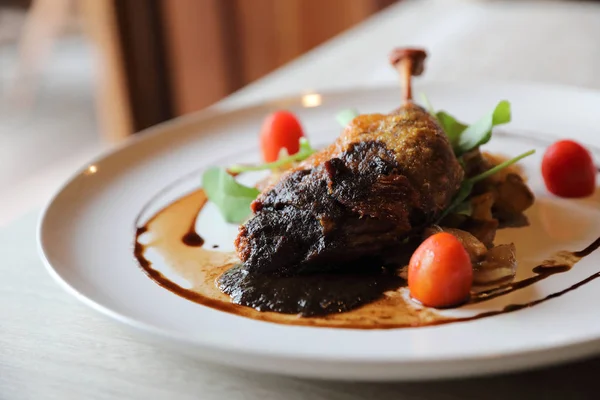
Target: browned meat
[386,177]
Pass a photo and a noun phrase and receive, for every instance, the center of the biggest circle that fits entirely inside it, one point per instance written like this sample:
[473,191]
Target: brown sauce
[378,302]
[516,307]
[547,269]
[191,238]
[308,295]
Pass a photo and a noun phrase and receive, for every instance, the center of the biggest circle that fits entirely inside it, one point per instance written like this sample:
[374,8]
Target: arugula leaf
[457,205]
[452,127]
[231,197]
[464,208]
[463,192]
[480,132]
[344,117]
[500,167]
[467,137]
[303,153]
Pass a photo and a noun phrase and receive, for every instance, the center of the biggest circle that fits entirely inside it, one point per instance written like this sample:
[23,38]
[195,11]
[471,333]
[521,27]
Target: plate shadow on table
[576,380]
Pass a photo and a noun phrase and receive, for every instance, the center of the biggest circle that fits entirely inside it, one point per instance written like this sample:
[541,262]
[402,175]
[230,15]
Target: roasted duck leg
[385,178]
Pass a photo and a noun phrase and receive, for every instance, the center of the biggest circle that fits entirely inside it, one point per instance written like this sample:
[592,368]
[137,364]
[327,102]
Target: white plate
[86,236]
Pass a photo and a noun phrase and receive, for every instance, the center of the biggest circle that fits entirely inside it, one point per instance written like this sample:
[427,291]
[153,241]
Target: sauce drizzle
[191,237]
[394,310]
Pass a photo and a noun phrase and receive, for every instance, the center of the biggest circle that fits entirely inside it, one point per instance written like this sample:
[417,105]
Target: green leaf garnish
[465,137]
[464,208]
[231,197]
[463,192]
[457,205]
[344,117]
[452,127]
[303,153]
[500,167]
[480,132]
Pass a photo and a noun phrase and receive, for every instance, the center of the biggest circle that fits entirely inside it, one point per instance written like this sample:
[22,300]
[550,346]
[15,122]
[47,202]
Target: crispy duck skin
[386,177]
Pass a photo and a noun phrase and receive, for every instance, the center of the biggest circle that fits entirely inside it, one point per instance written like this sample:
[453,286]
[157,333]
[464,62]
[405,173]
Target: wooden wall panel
[216,46]
[321,20]
[142,43]
[273,32]
[289,25]
[200,60]
[269,35]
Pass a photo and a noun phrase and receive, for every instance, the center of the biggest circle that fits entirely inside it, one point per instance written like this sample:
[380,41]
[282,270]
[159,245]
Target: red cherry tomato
[280,130]
[568,170]
[440,273]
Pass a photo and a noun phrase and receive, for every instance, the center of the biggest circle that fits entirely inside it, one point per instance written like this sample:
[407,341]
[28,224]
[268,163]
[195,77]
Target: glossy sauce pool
[169,235]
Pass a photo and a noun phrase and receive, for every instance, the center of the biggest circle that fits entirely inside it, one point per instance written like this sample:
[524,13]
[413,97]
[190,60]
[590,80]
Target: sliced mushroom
[512,197]
[474,247]
[484,231]
[481,206]
[499,265]
[490,266]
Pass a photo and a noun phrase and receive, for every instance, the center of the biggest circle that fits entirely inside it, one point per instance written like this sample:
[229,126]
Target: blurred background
[78,74]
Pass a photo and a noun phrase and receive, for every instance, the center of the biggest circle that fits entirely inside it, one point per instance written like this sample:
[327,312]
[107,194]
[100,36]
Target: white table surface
[52,347]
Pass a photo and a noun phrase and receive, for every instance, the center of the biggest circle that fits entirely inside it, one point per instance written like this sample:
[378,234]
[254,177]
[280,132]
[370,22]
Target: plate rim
[223,108]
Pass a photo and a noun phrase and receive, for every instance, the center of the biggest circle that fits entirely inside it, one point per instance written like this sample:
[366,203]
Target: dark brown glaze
[382,307]
[161,280]
[192,239]
[200,267]
[562,262]
[138,248]
[541,272]
[516,307]
[588,250]
[310,294]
